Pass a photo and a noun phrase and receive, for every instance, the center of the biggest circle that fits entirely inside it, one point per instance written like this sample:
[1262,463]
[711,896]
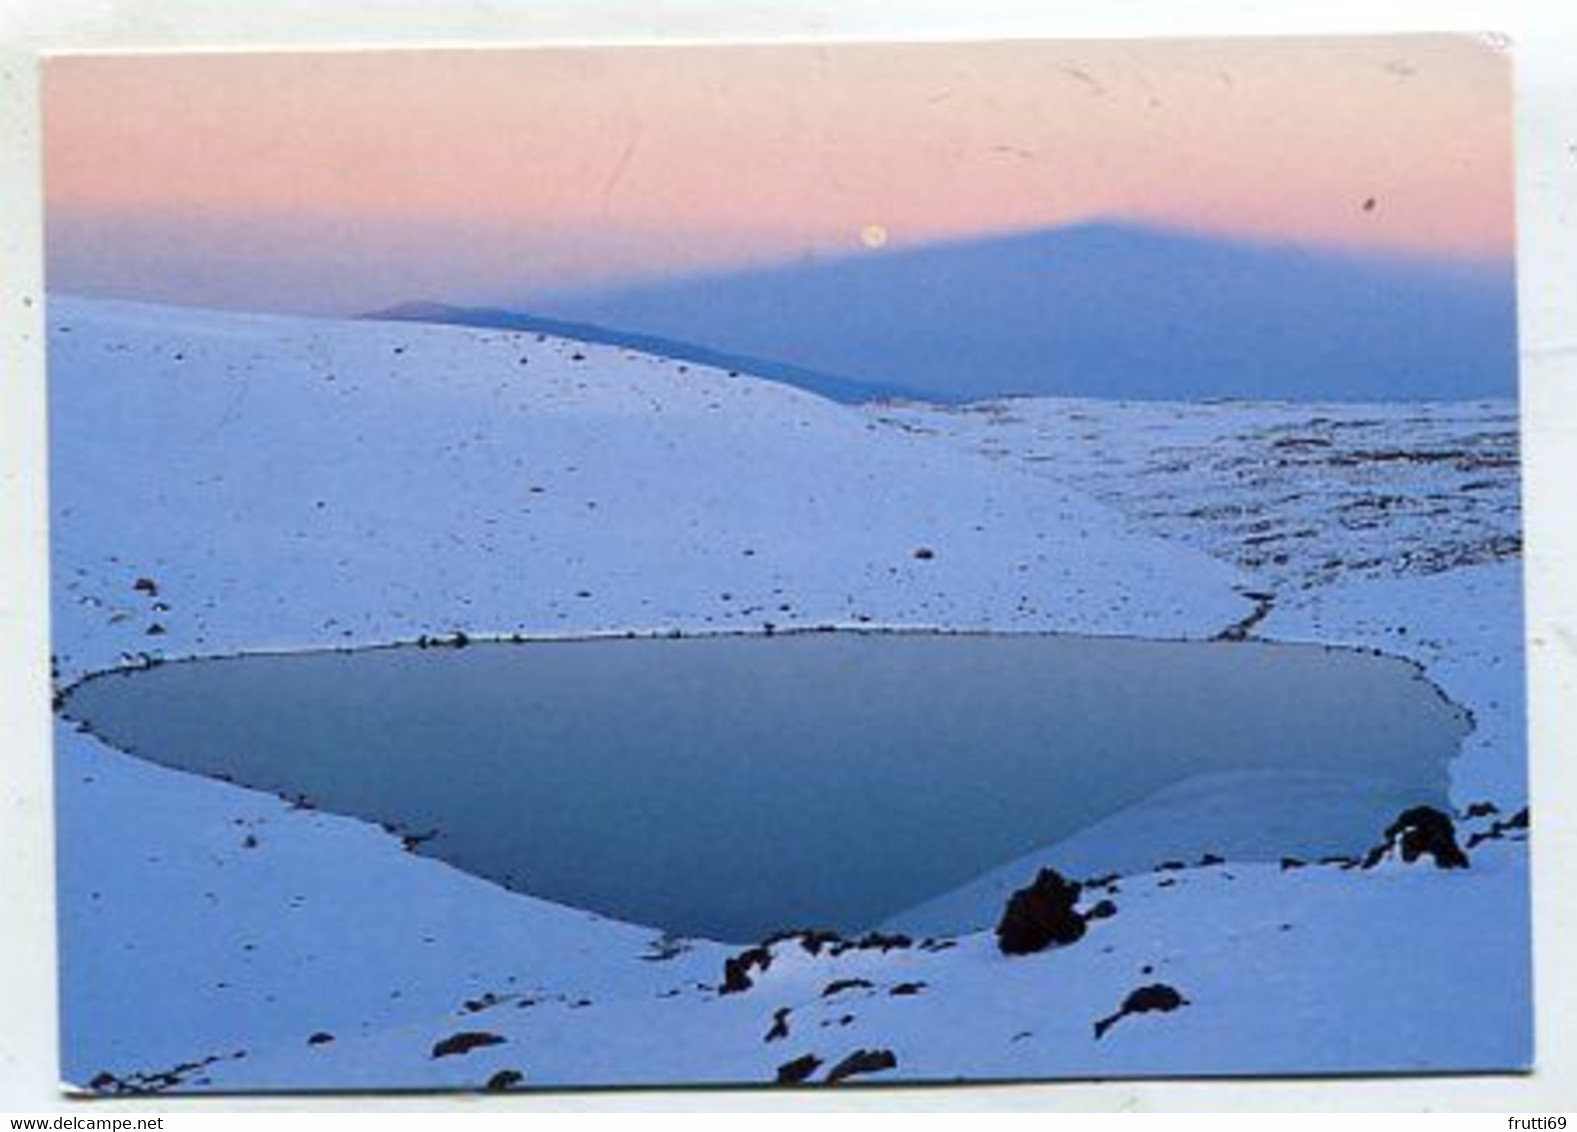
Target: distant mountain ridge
[1100,310]
[826,385]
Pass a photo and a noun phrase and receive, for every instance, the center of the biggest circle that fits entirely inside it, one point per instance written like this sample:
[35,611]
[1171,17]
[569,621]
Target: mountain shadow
[1094,310]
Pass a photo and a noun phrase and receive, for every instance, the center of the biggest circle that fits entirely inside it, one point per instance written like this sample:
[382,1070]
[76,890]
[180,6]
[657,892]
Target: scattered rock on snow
[484,1002]
[780,1029]
[799,1070]
[464,1042]
[1154,997]
[1421,831]
[1499,828]
[1041,916]
[874,941]
[504,1080]
[737,968]
[838,986]
[142,1083]
[862,1061]
[815,941]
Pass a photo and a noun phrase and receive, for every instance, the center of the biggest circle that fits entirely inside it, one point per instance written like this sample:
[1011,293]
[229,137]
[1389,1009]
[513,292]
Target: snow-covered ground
[228,483]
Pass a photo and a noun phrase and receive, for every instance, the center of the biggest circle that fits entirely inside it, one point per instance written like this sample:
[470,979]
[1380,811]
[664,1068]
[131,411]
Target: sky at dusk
[341,182]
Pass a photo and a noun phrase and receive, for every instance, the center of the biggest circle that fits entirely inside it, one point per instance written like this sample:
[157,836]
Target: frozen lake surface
[731,786]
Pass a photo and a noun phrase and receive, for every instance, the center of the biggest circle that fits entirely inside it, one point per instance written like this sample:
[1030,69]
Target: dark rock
[1481,810]
[799,1070]
[815,941]
[1499,828]
[780,1029]
[504,1080]
[322,1037]
[1103,910]
[737,968]
[876,941]
[838,986]
[1421,831]
[924,553]
[144,1083]
[862,1061]
[464,1042]
[883,942]
[1041,916]
[903,990]
[1154,997]
[1291,863]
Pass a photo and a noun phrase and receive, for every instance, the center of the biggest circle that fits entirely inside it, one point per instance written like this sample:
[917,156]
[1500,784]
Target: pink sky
[339,181]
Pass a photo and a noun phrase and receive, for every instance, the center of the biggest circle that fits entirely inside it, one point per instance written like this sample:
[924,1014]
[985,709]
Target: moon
[873,236]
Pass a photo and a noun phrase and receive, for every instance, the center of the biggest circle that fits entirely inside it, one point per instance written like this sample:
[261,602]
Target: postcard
[786,565]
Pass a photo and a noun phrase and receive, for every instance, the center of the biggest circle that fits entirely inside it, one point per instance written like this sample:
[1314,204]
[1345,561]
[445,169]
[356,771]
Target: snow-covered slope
[287,483]
[228,483]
